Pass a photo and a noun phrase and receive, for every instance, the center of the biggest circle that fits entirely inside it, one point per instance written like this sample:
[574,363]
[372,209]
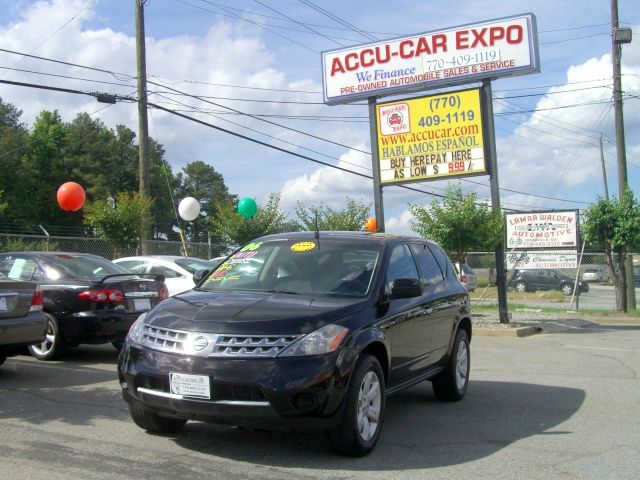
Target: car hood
[250,313]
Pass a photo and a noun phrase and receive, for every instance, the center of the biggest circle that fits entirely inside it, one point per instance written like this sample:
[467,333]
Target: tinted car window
[84,266]
[20,268]
[401,265]
[427,265]
[167,272]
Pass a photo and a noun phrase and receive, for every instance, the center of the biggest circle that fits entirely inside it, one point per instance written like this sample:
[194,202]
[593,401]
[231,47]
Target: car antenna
[316,234]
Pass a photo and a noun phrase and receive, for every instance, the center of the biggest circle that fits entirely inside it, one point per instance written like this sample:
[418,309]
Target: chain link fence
[534,279]
[96,246]
[549,279]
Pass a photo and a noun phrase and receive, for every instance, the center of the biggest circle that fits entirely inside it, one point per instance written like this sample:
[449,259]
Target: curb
[506,332]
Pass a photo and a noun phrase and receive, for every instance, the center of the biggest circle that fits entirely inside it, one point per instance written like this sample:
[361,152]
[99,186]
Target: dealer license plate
[190,385]
[3,304]
[140,304]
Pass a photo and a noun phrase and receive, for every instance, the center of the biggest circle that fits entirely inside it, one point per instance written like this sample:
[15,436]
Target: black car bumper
[95,326]
[17,333]
[286,392]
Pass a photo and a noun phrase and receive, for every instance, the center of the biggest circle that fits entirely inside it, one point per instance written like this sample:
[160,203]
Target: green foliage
[350,218]
[236,230]
[120,220]
[21,245]
[459,224]
[613,223]
[205,184]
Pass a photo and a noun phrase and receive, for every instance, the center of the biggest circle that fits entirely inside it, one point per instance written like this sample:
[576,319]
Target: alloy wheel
[369,405]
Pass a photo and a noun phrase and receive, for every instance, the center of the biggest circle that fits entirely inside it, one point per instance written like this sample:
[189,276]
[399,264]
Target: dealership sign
[532,230]
[464,54]
[431,137]
[542,259]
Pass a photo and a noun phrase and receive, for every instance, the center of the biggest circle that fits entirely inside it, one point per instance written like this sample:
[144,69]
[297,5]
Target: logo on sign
[394,119]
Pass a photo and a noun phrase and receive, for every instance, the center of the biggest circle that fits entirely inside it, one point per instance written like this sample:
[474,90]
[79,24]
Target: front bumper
[281,392]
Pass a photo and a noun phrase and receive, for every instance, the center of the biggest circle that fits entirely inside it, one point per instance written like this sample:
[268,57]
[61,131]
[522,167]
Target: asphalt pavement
[557,405]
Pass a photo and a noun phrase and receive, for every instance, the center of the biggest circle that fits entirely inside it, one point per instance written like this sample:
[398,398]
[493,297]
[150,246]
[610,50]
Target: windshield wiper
[281,291]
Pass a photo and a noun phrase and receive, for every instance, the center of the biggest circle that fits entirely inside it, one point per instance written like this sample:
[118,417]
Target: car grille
[214,345]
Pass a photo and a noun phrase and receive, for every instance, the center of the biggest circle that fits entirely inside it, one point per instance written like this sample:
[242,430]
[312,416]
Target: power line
[339,20]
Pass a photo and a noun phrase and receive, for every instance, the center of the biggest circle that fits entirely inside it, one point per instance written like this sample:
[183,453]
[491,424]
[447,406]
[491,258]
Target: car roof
[161,257]
[369,237]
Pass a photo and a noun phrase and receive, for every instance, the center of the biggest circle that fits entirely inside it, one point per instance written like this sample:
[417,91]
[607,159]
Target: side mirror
[199,275]
[406,288]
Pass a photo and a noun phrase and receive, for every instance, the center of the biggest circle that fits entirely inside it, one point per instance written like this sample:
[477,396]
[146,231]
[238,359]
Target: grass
[491,293]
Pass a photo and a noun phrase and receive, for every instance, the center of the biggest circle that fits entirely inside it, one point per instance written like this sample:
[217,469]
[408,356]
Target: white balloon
[189,209]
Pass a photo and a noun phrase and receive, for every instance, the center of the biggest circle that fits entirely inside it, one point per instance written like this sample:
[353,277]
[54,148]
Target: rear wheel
[451,385]
[567,289]
[359,431]
[52,346]
[154,423]
[521,287]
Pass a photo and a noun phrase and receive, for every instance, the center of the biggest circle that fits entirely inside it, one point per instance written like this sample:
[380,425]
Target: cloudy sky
[263,58]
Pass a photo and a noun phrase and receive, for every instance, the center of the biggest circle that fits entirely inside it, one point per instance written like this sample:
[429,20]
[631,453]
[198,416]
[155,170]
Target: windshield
[192,265]
[81,266]
[335,268]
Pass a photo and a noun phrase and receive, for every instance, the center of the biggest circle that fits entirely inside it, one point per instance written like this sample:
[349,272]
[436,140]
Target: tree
[236,230]
[459,224]
[119,220]
[350,218]
[614,225]
[205,184]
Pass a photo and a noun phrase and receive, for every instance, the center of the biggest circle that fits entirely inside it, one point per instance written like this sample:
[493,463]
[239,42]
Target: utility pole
[604,171]
[619,37]
[143,127]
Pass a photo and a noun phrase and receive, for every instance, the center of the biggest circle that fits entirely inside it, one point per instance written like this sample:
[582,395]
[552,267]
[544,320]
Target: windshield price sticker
[431,137]
[303,246]
[190,385]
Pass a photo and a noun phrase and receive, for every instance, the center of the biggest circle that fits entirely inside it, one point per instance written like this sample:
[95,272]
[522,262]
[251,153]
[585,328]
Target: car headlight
[324,340]
[135,332]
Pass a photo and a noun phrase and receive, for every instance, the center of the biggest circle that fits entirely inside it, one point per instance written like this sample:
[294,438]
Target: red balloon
[371,225]
[70,196]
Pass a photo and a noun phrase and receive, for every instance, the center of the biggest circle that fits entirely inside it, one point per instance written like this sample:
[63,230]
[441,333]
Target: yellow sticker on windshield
[302,246]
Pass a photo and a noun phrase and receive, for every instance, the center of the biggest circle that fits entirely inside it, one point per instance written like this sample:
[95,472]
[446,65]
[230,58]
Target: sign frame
[541,226]
[482,132]
[406,56]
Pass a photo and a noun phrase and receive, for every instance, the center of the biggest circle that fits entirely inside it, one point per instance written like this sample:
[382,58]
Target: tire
[154,423]
[53,345]
[451,385]
[567,289]
[521,287]
[117,344]
[2,358]
[365,401]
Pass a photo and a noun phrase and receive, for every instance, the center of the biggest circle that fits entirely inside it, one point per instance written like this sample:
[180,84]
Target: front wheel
[451,385]
[154,423]
[52,346]
[359,431]
[521,287]
[567,289]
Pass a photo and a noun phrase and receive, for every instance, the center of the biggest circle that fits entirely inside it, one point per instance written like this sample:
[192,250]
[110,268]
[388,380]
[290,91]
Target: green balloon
[247,207]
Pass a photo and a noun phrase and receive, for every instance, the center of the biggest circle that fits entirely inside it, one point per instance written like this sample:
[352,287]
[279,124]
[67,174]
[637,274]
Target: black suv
[316,335]
[545,279]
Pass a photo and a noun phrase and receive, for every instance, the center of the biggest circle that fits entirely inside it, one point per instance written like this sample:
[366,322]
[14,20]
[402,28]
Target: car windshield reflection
[332,268]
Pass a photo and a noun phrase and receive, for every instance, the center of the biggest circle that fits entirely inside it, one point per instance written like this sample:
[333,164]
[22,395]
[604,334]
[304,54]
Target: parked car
[178,271]
[86,298]
[545,279]
[22,322]
[596,274]
[467,276]
[316,337]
